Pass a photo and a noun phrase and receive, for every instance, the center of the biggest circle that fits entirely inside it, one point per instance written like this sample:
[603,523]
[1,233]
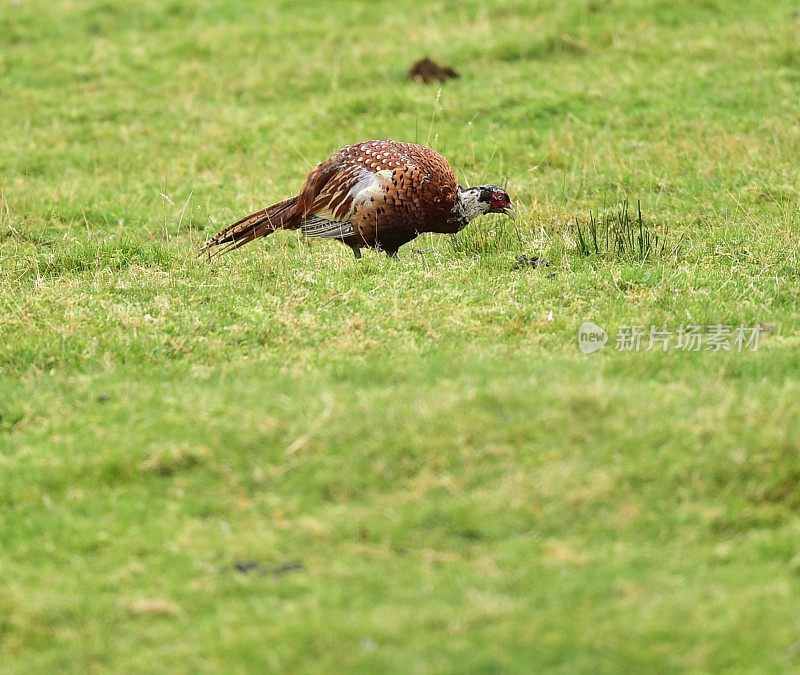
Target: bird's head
[497,199]
[476,201]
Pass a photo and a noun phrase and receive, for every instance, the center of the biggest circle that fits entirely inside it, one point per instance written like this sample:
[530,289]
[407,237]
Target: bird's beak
[509,212]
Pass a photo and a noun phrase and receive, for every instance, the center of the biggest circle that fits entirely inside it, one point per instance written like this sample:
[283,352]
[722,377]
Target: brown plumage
[378,194]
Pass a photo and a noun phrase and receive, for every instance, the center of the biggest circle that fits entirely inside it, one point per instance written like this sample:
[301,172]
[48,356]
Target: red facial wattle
[500,200]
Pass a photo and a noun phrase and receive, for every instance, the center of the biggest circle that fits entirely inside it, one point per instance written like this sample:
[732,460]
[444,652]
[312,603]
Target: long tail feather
[283,215]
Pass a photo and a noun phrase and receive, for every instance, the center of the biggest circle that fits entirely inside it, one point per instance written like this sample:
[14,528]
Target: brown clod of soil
[428,71]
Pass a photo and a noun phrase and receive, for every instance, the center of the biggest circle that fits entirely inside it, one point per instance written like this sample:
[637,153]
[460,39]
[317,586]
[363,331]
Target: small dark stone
[103,398]
[253,566]
[285,568]
[247,566]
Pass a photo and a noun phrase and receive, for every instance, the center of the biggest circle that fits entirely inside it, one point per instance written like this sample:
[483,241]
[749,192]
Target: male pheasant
[375,194]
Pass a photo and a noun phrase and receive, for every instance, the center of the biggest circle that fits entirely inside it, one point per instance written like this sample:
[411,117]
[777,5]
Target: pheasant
[374,194]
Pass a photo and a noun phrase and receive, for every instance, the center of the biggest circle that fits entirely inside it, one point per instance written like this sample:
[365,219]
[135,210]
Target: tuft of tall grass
[618,233]
[495,236]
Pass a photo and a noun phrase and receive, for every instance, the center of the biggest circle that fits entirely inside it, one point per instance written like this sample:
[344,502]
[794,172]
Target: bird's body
[375,194]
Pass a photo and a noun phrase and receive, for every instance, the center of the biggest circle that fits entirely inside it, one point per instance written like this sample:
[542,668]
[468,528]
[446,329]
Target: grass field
[293,461]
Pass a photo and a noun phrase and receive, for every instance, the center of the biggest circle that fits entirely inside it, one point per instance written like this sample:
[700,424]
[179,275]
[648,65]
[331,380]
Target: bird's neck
[468,206]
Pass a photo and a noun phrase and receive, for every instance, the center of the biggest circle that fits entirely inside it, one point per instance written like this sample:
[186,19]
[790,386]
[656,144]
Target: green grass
[466,490]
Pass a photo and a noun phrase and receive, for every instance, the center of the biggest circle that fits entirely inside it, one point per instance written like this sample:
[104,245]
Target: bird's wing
[336,188]
[332,211]
[357,175]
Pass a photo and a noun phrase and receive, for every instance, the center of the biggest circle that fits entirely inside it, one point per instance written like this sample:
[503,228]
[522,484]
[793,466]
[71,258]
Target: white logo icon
[591,337]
